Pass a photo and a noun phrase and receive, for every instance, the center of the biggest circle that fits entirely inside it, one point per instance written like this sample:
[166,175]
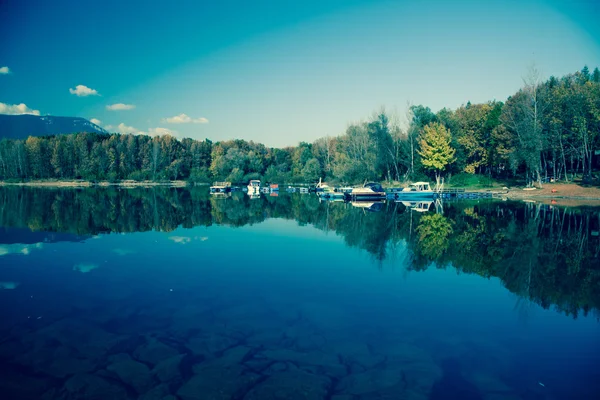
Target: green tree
[596,75]
[312,170]
[435,149]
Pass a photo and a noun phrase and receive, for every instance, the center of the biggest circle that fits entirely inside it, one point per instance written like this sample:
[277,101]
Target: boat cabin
[418,187]
[375,187]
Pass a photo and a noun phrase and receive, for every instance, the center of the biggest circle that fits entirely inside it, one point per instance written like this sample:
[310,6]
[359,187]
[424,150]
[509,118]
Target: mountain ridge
[25,125]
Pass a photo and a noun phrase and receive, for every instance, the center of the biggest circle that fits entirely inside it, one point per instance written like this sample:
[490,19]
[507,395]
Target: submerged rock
[357,356]
[169,370]
[89,341]
[15,385]
[371,381]
[210,345]
[133,373]
[154,352]
[315,362]
[92,387]
[232,357]
[160,392]
[63,367]
[218,383]
[296,385]
[56,360]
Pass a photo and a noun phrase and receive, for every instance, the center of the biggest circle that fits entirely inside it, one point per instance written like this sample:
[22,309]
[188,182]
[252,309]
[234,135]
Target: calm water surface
[172,294]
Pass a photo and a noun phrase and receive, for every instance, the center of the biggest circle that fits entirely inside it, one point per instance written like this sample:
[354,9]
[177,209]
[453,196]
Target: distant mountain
[23,126]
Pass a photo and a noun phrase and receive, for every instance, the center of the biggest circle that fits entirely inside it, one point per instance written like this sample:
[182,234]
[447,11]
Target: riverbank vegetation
[546,131]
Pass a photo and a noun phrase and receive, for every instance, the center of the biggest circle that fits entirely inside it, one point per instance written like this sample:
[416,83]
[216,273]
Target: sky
[277,72]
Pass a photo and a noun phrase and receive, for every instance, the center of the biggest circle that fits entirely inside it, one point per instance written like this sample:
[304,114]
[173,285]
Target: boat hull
[414,195]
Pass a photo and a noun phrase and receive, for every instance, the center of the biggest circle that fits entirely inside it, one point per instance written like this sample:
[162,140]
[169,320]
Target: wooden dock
[447,193]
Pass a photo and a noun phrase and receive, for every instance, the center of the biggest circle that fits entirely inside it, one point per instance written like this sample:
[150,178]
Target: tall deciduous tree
[435,149]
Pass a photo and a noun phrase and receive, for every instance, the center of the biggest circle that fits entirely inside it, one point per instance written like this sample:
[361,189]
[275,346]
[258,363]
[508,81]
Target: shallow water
[172,294]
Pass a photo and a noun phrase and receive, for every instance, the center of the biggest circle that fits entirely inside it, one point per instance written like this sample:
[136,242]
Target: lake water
[173,294]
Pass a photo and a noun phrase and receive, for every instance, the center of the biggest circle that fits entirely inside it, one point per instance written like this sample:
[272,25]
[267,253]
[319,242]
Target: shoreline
[562,192]
[555,194]
[87,184]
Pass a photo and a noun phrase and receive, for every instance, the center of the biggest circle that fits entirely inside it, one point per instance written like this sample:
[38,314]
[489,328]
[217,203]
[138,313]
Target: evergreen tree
[596,75]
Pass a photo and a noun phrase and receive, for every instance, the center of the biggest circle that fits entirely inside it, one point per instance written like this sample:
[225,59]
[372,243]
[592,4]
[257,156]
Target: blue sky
[278,72]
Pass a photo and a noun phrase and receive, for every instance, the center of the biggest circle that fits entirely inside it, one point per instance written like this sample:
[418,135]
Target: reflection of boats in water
[329,193]
[332,199]
[220,195]
[419,206]
[417,190]
[373,206]
[370,191]
[220,187]
[254,186]
[253,195]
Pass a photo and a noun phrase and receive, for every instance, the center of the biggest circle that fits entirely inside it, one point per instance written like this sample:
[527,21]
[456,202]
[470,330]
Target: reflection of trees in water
[547,255]
[434,231]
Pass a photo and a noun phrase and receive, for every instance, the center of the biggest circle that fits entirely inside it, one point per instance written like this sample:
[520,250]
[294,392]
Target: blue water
[272,310]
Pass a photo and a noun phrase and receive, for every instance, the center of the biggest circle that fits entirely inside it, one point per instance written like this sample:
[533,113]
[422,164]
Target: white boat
[254,186]
[220,187]
[417,190]
[320,186]
[370,191]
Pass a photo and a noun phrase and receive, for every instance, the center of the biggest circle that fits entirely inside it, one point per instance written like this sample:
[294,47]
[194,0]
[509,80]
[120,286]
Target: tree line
[547,130]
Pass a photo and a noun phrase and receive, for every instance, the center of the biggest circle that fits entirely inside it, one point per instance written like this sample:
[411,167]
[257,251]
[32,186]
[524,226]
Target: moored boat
[220,187]
[320,187]
[254,186]
[418,190]
[370,191]
[343,189]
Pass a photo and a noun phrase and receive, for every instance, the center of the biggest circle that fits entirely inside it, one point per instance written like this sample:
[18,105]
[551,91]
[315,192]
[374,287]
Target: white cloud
[125,129]
[185,119]
[4,70]
[83,91]
[95,121]
[161,131]
[120,107]
[17,109]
